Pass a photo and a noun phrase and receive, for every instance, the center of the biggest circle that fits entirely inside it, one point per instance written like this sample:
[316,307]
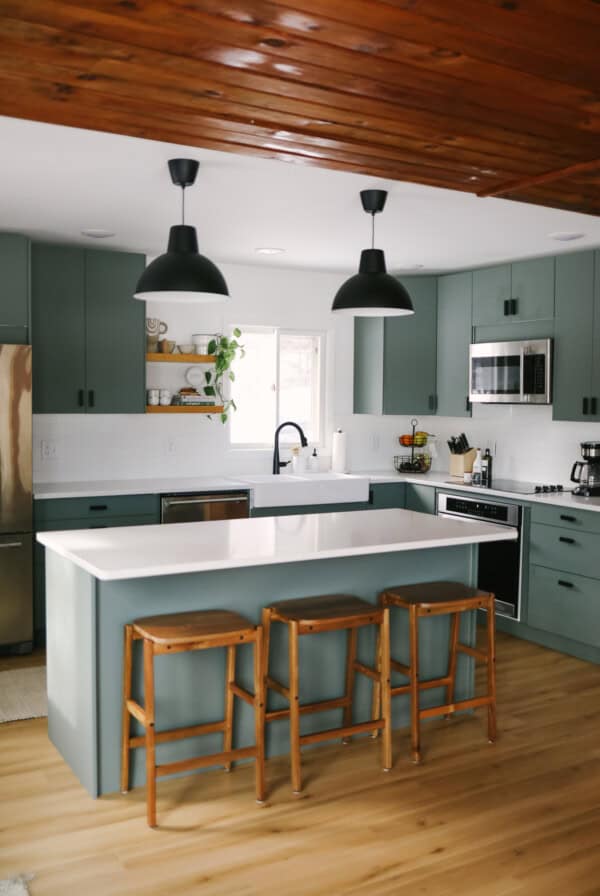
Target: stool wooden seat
[433,599]
[176,633]
[312,615]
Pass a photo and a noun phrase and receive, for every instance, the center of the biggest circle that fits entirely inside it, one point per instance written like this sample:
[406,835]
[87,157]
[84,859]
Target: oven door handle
[217,499]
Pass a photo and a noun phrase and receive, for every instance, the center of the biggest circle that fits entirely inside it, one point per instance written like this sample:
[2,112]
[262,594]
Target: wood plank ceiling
[488,96]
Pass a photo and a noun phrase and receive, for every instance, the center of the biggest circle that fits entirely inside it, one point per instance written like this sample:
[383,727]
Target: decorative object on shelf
[195,376]
[201,342]
[166,346]
[165,397]
[225,351]
[152,396]
[182,274]
[185,348]
[155,327]
[417,461]
[373,292]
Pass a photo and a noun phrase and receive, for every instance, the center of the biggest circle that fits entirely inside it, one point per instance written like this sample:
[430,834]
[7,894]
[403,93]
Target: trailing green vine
[225,351]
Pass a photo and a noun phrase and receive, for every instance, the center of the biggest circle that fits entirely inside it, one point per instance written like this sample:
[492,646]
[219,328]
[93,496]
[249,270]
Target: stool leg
[350,676]
[491,670]
[386,690]
[266,642]
[454,627]
[229,680]
[259,723]
[376,697]
[150,733]
[415,734]
[294,709]
[126,721]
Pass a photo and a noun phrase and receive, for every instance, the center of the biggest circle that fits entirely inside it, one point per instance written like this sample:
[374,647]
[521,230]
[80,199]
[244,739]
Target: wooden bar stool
[309,616]
[436,599]
[177,633]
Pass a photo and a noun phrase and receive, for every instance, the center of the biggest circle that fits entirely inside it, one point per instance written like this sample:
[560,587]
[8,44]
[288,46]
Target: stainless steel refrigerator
[16,509]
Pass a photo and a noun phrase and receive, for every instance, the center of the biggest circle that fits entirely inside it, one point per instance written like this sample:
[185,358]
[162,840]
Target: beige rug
[23,695]
[15,886]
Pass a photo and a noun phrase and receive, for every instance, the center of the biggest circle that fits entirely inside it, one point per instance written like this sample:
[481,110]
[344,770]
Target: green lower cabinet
[420,498]
[565,604]
[309,508]
[387,494]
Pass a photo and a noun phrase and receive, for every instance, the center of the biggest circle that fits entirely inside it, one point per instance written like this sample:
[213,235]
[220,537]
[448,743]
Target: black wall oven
[500,562]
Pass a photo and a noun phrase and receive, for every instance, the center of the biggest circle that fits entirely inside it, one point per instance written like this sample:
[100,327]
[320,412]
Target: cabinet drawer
[96,508]
[566,517]
[565,549]
[564,604]
[105,522]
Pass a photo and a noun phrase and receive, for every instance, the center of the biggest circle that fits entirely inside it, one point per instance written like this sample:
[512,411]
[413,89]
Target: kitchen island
[97,580]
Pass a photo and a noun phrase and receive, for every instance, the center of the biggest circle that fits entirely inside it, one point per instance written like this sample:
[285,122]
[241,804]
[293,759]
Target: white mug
[152,396]
[165,396]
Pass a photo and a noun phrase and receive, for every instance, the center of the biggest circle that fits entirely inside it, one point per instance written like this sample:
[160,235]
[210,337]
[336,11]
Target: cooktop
[517,487]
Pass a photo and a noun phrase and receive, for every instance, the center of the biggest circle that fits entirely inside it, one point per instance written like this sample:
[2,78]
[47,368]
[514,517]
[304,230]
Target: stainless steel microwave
[511,372]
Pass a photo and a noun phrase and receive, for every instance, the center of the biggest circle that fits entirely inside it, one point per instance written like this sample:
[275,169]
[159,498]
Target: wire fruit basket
[419,458]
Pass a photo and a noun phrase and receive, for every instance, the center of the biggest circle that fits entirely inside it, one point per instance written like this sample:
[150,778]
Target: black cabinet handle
[584,406]
[593,405]
[467,404]
[91,398]
[567,518]
[80,397]
[506,307]
[564,584]
[371,496]
[98,507]
[431,402]
[566,540]
[513,306]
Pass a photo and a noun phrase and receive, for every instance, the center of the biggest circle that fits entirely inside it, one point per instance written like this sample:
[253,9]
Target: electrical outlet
[375,441]
[48,448]
[171,447]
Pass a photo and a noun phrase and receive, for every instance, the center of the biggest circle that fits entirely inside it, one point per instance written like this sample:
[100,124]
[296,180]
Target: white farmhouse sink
[287,490]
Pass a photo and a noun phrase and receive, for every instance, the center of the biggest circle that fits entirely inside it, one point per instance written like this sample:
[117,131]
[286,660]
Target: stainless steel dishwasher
[188,508]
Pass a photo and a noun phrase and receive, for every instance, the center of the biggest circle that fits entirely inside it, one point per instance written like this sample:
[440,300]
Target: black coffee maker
[586,472]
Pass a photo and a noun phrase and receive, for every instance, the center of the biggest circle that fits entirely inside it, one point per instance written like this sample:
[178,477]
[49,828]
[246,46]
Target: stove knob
[559,488]
[545,488]
[553,488]
[538,489]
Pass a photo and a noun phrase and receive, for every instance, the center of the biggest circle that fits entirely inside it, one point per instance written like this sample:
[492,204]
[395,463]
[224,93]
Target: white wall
[528,444]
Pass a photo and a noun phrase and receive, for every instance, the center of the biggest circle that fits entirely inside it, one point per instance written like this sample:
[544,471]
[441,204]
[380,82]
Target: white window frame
[321,336]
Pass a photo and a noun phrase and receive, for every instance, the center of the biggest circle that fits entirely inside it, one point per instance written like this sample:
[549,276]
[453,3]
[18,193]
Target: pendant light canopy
[372,292]
[182,274]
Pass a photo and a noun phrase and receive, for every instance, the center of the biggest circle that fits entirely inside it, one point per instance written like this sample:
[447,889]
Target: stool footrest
[307,708]
[186,765]
[400,667]
[172,734]
[473,703]
[277,686]
[473,651]
[243,694]
[366,670]
[347,731]
[134,709]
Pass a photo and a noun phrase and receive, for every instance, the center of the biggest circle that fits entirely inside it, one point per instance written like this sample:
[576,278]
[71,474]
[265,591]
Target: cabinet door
[368,365]
[491,288]
[409,353]
[114,333]
[14,280]
[455,300]
[420,498]
[57,329]
[532,289]
[573,336]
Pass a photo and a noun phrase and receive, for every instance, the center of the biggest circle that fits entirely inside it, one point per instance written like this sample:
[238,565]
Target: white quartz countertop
[140,551]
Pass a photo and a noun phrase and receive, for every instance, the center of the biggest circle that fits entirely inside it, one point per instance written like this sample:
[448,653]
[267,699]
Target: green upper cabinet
[87,331]
[576,325]
[395,357]
[114,333]
[454,309]
[14,288]
[514,293]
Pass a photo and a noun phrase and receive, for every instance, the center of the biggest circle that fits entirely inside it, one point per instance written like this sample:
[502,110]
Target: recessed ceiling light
[96,233]
[269,250]
[565,236]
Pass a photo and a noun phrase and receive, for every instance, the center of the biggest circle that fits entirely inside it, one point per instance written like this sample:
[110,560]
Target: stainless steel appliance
[16,557]
[514,486]
[203,507]
[500,562]
[511,372]
[586,472]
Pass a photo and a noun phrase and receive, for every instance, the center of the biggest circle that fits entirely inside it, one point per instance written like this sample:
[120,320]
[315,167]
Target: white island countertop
[139,551]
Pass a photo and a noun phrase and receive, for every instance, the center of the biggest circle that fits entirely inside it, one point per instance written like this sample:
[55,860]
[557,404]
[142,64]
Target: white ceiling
[57,181]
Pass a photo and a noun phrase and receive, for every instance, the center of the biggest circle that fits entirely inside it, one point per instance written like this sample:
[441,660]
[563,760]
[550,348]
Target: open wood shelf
[161,358]
[184,409]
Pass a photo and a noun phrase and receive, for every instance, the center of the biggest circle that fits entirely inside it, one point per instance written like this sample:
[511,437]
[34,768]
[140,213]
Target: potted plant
[225,351]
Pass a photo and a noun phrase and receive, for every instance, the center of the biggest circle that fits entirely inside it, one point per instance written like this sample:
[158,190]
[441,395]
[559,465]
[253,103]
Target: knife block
[462,463]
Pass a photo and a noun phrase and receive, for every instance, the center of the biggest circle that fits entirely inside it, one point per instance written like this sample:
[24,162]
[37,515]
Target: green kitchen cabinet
[576,338]
[14,288]
[87,331]
[514,293]
[395,357]
[296,509]
[383,495]
[420,498]
[454,313]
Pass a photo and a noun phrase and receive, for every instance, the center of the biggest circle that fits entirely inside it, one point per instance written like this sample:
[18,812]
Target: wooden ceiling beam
[524,183]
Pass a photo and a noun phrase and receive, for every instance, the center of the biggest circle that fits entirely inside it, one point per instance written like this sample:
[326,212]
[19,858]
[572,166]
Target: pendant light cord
[372,230]
[183,205]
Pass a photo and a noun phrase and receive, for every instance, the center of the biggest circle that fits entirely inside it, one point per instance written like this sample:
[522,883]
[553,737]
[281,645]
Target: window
[279,378]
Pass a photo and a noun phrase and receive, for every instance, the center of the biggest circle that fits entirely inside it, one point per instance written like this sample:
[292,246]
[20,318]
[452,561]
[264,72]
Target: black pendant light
[372,292]
[182,274]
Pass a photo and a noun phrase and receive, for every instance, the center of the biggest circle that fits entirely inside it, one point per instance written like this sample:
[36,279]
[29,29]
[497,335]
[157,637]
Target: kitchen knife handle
[584,406]
[593,405]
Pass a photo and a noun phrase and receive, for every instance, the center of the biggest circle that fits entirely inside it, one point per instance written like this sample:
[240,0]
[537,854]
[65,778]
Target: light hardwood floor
[520,818]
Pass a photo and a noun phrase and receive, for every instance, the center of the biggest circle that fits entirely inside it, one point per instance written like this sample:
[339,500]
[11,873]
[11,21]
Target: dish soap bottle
[486,469]
[477,465]
[313,462]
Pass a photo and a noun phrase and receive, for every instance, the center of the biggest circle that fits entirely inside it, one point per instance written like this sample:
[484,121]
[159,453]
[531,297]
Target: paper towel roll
[338,452]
